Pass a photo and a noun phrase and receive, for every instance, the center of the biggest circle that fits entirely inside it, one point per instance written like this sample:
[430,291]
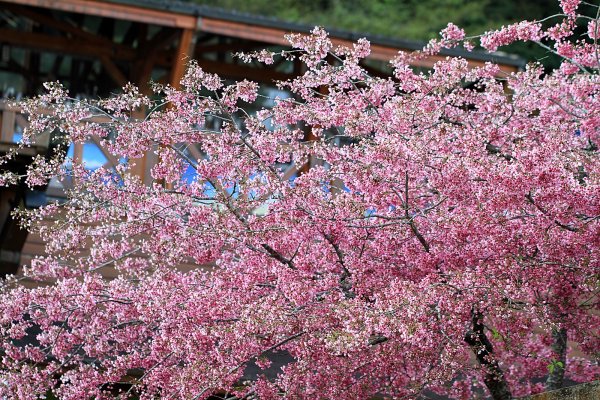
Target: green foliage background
[407,19]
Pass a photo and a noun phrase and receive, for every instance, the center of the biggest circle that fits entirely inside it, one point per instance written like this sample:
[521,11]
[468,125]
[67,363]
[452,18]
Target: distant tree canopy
[406,19]
[409,19]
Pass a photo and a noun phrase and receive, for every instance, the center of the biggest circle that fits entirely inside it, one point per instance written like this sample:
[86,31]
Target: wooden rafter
[116,11]
[62,26]
[229,47]
[63,45]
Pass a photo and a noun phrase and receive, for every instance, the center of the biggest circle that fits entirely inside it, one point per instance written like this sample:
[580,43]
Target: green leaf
[555,364]
[495,334]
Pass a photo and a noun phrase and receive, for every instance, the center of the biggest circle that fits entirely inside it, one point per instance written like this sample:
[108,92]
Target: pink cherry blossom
[569,6]
[452,32]
[439,233]
[524,31]
[594,29]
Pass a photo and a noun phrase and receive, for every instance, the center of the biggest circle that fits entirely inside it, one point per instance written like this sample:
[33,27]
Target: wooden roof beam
[230,47]
[64,45]
[62,26]
[115,10]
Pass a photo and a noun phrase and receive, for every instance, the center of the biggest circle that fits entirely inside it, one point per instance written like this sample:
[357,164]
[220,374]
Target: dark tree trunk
[557,368]
[482,347]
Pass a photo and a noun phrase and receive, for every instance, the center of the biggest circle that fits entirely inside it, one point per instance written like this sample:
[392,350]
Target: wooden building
[95,47]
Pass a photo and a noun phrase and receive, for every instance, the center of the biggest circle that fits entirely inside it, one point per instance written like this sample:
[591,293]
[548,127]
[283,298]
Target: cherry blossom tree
[446,238]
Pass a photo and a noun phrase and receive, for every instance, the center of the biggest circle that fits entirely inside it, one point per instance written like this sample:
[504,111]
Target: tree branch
[557,368]
[240,365]
[411,222]
[569,228]
[278,256]
[484,351]
[345,282]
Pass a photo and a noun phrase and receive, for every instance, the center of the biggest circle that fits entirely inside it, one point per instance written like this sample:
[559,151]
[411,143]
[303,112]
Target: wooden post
[185,51]
[144,164]
[8,125]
